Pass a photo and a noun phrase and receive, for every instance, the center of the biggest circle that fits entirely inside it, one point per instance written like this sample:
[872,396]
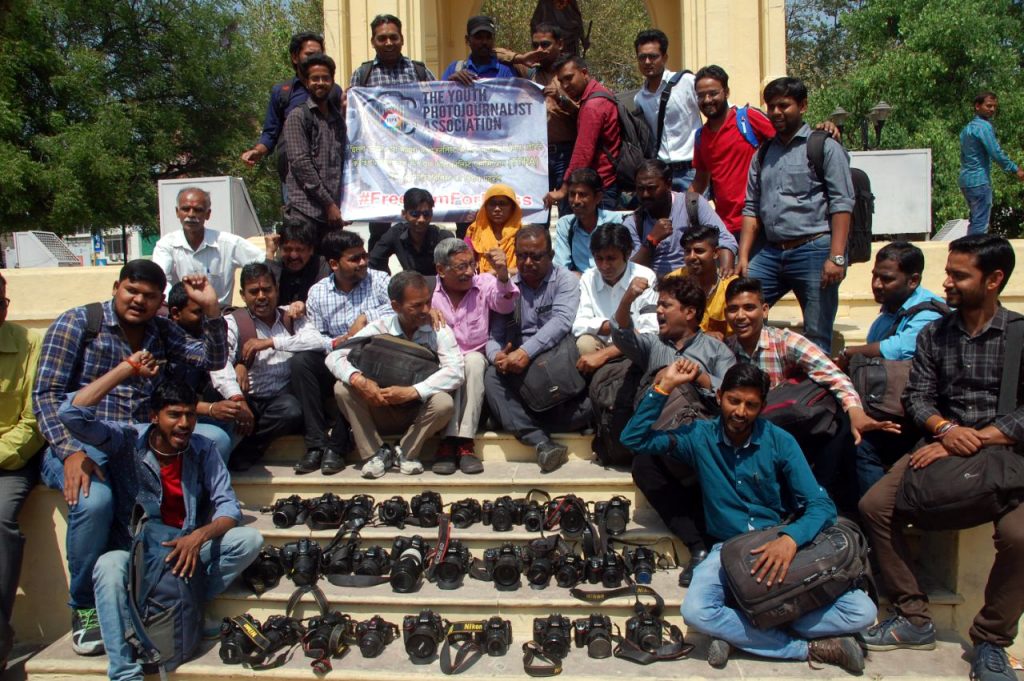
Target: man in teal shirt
[978,148]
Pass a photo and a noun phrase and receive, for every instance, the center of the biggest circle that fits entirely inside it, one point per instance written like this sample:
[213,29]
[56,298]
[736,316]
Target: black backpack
[636,142]
[391,361]
[858,244]
[362,75]
[281,99]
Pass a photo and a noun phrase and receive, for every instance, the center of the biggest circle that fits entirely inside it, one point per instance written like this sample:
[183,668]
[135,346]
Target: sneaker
[686,574]
[332,462]
[379,464]
[718,653]
[842,651]
[85,632]
[469,463]
[407,466]
[444,458]
[990,663]
[211,627]
[897,632]
[551,456]
[310,462]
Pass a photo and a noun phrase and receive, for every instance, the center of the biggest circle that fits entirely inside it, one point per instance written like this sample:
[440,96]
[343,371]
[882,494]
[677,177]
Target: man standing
[573,231]
[415,411]
[315,135]
[482,62]
[597,130]
[953,397]
[198,249]
[805,216]
[978,148]
[669,105]
[20,441]
[299,266]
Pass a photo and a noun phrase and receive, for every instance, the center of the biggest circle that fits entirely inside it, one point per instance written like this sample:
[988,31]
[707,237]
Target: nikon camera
[422,635]
[554,635]
[594,633]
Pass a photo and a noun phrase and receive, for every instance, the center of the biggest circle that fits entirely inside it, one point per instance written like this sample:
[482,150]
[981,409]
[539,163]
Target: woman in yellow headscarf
[495,226]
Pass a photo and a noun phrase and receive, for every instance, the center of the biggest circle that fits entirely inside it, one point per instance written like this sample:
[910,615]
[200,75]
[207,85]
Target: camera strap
[466,635]
[675,649]
[477,571]
[336,647]
[318,596]
[359,581]
[531,652]
[444,537]
[634,590]
[251,629]
[668,559]
[286,650]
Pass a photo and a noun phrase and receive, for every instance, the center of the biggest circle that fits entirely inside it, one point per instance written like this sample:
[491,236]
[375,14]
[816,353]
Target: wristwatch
[839,260]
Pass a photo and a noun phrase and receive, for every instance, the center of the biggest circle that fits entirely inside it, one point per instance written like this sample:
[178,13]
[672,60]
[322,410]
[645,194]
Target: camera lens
[501,520]
[599,646]
[371,644]
[421,646]
[285,516]
[539,573]
[572,521]
[555,645]
[649,639]
[506,571]
[615,522]
[448,574]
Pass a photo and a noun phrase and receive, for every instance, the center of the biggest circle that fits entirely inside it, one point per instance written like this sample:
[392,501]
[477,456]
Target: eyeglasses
[536,257]
[419,213]
[462,267]
[545,44]
[5,302]
[647,56]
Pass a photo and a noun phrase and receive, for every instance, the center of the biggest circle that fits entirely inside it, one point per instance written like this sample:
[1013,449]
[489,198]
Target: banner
[453,140]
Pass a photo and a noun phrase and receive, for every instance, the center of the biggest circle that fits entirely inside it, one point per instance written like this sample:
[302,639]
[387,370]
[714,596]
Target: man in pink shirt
[597,130]
[466,300]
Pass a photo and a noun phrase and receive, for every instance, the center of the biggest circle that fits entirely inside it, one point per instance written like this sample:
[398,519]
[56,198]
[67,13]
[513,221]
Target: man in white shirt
[680,118]
[601,289]
[198,249]
[262,338]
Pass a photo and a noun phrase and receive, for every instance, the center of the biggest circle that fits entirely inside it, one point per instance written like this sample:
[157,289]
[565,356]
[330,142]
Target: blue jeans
[979,201]
[559,155]
[682,176]
[89,523]
[705,609]
[223,440]
[222,559]
[799,270]
[610,198]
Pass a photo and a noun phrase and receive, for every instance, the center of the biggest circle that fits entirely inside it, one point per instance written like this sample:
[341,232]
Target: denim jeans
[705,609]
[979,201]
[222,559]
[610,198]
[799,270]
[223,440]
[89,523]
[682,176]
[559,155]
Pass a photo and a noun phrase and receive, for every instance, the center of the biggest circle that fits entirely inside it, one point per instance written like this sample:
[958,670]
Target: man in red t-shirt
[722,151]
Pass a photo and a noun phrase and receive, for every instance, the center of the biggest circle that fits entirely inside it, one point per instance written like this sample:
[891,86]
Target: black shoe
[85,632]
[686,575]
[551,456]
[310,462]
[332,462]
[718,653]
[239,462]
[842,651]
[991,664]
[897,632]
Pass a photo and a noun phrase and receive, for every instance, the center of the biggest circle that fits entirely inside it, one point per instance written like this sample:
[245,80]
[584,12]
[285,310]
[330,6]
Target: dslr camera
[570,570]
[409,555]
[266,571]
[494,635]
[373,635]
[504,564]
[338,559]
[543,556]
[373,561]
[288,512]
[608,569]
[326,512]
[359,511]
[426,508]
[642,563]
[613,514]
[450,568]
[321,639]
[645,630]
[594,633]
[531,515]
[301,561]
[239,636]
[422,634]
[553,635]
[465,512]
[502,514]
[568,513]
[394,512]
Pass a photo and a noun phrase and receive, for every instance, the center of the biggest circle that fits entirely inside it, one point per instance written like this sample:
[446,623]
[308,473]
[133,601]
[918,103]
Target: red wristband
[136,367]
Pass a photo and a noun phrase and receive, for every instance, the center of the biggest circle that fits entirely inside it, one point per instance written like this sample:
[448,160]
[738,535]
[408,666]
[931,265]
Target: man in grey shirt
[805,217]
[549,297]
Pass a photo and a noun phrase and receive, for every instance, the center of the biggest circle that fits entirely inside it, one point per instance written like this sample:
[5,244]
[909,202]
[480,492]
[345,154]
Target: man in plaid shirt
[72,357]
[953,396]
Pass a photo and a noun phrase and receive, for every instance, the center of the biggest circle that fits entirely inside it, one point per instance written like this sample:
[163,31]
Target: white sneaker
[406,465]
[378,465]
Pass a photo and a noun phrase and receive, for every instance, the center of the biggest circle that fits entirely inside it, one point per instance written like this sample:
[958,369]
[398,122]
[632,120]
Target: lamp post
[878,115]
[838,118]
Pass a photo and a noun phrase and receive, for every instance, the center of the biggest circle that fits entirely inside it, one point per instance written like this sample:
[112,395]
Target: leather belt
[790,244]
[681,165]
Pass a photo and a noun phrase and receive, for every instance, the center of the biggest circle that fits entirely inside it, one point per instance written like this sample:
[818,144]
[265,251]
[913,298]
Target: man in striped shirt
[978,148]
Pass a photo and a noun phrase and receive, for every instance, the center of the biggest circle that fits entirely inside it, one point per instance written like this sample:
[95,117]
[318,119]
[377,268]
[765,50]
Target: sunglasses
[542,44]
[648,57]
[419,213]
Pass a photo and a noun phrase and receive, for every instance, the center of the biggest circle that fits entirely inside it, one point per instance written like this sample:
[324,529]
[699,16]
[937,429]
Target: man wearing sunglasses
[413,240]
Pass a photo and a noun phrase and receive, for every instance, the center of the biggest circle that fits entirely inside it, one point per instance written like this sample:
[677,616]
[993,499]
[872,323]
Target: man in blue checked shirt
[978,148]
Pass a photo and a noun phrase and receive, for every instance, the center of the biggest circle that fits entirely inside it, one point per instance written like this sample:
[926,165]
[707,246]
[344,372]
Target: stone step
[59,663]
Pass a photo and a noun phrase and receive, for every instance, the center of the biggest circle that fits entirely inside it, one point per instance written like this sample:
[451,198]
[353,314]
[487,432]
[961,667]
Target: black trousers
[673,490]
[275,416]
[531,427]
[313,386]
[14,488]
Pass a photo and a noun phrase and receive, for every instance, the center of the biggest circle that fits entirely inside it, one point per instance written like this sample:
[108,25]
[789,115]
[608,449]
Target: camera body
[289,512]
[554,635]
[613,514]
[359,511]
[422,634]
[568,513]
[450,568]
[320,639]
[645,631]
[543,558]
[426,508]
[409,557]
[326,512]
[594,633]
[465,512]
[502,514]
[531,515]
[301,561]
[340,558]
[505,564]
[266,571]
[237,646]
[608,569]
[394,512]
[497,636]
[570,570]
[373,561]
[373,635]
[281,632]
[642,563]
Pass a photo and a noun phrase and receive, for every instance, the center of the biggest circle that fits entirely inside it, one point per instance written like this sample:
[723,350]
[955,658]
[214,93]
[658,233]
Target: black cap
[480,23]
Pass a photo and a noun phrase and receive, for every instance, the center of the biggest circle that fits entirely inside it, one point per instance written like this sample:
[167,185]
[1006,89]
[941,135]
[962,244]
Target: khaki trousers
[415,421]
[469,399]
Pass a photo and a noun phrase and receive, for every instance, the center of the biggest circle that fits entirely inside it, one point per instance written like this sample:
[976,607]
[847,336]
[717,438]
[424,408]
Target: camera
[497,636]
[373,561]
[325,635]
[409,556]
[427,507]
[642,563]
[465,512]
[501,514]
[326,512]
[552,634]
[266,571]
[569,513]
[339,558]
[422,634]
[613,514]
[288,512]
[236,639]
[530,515]
[594,633]
[570,570]
[374,635]
[543,554]
[504,564]
[280,632]
[450,568]
[301,560]
[359,511]
[608,569]
[393,512]
[644,630]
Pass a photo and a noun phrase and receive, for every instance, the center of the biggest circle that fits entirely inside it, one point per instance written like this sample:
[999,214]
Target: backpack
[362,75]
[662,106]
[858,244]
[636,142]
[281,99]
[834,562]
[692,213]
[247,329]
[165,611]
[742,124]
[389,360]
[803,409]
[880,382]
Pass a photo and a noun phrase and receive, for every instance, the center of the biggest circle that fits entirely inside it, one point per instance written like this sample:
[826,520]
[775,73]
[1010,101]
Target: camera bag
[391,361]
[834,562]
[551,377]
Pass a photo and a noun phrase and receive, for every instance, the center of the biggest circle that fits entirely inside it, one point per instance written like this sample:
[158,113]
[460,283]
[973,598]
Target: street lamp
[838,117]
[878,115]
